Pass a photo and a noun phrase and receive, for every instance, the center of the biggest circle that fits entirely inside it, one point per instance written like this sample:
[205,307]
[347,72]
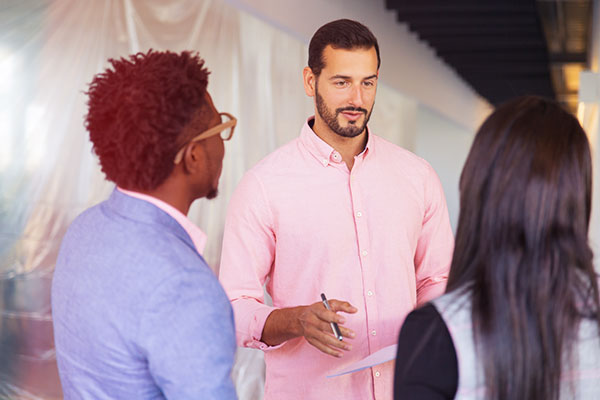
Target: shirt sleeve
[436,243]
[187,335]
[426,363]
[246,259]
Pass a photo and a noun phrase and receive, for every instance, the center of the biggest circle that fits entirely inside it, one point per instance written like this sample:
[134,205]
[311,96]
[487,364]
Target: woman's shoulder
[426,363]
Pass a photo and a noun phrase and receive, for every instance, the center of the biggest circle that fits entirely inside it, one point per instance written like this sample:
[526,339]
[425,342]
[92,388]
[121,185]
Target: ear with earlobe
[194,157]
[310,81]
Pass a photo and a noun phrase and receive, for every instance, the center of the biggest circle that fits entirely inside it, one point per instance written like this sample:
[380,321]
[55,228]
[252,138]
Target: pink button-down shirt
[377,236]
[198,237]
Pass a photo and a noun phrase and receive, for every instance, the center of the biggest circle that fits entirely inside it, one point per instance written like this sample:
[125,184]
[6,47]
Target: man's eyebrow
[374,76]
[339,77]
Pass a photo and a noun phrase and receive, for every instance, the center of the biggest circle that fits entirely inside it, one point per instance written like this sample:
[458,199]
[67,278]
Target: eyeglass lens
[225,134]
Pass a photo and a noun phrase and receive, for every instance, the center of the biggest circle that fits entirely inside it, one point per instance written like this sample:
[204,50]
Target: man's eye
[340,83]
[369,83]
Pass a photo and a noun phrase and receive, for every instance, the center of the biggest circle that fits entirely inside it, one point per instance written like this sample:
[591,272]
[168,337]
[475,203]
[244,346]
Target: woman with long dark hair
[521,315]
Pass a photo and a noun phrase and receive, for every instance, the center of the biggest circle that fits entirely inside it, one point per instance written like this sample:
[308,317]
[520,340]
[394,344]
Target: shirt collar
[198,237]
[322,151]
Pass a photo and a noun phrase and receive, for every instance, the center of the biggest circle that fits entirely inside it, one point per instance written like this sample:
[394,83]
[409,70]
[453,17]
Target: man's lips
[352,115]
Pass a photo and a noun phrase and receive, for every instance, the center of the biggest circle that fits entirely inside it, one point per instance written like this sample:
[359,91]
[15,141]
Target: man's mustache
[355,109]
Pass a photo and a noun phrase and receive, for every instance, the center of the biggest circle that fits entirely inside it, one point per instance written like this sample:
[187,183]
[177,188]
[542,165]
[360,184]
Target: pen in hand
[334,326]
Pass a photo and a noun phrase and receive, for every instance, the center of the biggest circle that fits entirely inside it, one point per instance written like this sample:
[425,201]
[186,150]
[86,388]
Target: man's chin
[212,194]
[351,128]
[345,122]
[350,131]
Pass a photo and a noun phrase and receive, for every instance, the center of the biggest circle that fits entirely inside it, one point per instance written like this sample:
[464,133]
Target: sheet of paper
[379,357]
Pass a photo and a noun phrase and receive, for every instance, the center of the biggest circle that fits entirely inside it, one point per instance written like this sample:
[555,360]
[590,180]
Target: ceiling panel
[505,48]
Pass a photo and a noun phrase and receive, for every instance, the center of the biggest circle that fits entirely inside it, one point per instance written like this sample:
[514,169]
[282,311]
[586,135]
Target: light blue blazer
[138,314]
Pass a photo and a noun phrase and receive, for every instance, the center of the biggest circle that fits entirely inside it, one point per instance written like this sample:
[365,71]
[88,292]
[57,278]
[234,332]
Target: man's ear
[194,157]
[310,81]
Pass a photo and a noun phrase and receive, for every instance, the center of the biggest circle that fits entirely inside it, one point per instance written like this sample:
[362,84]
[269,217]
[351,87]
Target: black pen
[334,326]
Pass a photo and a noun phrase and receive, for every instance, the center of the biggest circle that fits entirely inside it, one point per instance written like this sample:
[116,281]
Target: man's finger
[331,316]
[325,326]
[344,306]
[322,341]
[347,333]
[325,349]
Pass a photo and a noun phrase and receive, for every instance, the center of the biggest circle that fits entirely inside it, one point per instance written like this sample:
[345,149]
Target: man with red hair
[137,311]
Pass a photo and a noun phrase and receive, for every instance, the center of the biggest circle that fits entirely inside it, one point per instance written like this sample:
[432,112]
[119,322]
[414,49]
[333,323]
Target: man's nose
[356,96]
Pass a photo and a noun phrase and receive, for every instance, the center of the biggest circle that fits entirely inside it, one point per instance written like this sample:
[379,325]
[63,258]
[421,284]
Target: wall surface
[408,64]
[589,115]
[445,145]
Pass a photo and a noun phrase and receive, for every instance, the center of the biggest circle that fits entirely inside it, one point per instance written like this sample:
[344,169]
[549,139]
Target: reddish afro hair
[137,111]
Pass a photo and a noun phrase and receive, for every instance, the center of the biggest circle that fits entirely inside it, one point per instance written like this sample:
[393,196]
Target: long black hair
[522,245]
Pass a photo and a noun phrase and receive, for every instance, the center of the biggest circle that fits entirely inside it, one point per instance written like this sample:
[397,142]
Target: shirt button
[336,156]
[369,293]
[364,253]
[325,162]
[374,332]
[358,214]
[377,374]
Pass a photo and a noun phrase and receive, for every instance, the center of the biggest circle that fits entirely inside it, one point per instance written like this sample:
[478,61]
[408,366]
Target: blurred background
[445,65]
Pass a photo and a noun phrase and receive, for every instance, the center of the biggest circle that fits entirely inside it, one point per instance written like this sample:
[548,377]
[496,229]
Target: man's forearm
[312,322]
[281,325]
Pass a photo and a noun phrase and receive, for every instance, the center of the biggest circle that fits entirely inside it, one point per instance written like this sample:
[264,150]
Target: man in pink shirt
[338,211]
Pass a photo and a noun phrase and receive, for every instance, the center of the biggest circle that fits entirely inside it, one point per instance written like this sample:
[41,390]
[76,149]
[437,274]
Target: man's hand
[313,323]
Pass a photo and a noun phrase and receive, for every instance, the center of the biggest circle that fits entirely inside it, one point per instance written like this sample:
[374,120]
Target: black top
[426,364]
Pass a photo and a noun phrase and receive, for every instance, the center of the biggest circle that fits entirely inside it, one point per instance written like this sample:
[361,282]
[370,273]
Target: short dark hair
[340,34]
[137,110]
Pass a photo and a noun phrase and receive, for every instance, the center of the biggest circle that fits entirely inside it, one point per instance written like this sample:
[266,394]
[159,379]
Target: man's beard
[330,118]
[214,192]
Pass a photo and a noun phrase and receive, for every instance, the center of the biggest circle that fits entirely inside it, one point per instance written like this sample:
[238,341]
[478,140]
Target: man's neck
[173,196]
[346,146]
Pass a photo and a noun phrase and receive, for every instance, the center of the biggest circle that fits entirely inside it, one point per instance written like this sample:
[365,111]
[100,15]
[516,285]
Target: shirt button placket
[363,247]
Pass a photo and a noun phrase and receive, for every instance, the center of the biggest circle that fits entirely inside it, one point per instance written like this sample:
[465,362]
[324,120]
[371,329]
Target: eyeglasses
[225,128]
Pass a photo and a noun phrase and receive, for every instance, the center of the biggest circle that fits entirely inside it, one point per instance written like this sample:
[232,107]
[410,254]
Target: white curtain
[49,52]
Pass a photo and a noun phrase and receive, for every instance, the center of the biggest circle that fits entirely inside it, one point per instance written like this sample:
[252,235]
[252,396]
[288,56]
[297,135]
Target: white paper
[384,355]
